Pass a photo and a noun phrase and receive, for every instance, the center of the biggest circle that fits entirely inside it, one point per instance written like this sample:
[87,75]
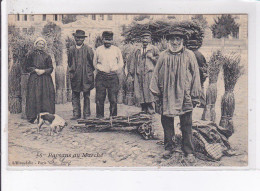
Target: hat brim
[168,36]
[145,35]
[78,35]
[108,37]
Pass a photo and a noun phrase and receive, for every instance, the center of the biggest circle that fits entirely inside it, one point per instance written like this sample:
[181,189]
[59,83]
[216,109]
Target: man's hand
[39,72]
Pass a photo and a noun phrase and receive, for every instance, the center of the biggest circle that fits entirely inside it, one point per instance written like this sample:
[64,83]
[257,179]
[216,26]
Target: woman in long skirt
[40,92]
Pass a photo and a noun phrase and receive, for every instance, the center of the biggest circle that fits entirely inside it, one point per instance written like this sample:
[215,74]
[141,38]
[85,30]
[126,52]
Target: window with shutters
[109,17]
[25,17]
[32,17]
[55,17]
[44,17]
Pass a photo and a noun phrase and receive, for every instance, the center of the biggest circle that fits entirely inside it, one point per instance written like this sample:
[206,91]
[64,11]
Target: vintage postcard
[127,90]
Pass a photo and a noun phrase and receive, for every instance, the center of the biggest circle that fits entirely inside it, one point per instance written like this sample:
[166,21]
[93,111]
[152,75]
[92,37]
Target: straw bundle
[19,45]
[69,42]
[68,86]
[128,52]
[121,92]
[232,70]
[216,60]
[24,83]
[14,89]
[60,85]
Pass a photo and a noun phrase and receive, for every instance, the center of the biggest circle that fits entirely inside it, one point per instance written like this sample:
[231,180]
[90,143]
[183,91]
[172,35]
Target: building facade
[94,24]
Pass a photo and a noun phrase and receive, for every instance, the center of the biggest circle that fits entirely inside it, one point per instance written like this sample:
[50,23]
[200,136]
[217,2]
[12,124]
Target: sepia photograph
[127,90]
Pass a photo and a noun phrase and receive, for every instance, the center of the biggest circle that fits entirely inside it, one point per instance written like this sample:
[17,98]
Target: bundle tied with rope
[128,52]
[232,70]
[215,63]
[209,143]
[160,29]
[139,122]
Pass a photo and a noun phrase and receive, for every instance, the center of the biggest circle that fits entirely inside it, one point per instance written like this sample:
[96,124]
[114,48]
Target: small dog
[55,122]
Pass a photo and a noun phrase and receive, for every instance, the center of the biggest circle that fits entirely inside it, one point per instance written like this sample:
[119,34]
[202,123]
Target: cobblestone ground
[115,147]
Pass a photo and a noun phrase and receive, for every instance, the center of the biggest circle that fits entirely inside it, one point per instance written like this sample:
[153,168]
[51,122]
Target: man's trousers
[186,129]
[76,104]
[106,83]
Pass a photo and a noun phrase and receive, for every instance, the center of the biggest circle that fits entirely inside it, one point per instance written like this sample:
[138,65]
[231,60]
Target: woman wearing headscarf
[40,91]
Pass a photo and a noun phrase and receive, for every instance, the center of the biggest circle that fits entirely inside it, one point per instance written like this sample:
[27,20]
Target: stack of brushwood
[140,122]
[215,63]
[19,45]
[232,70]
[14,88]
[161,28]
[69,43]
[128,52]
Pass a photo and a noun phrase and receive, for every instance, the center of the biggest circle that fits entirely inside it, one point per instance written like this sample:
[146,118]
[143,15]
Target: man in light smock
[176,83]
[143,65]
[108,62]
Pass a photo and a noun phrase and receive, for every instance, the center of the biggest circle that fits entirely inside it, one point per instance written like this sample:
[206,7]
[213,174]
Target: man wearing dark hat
[80,61]
[144,62]
[108,62]
[176,83]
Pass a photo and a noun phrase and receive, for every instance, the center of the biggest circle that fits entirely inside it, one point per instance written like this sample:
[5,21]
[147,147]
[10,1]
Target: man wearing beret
[143,65]
[176,82]
[108,62]
[80,61]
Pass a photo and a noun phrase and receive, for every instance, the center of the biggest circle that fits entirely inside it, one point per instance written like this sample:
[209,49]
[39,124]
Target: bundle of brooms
[14,88]
[161,28]
[232,70]
[215,63]
[128,52]
[140,122]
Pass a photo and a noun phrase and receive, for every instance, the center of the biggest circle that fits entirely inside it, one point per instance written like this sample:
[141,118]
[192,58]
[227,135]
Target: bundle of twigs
[69,42]
[14,88]
[232,70]
[215,63]
[161,28]
[129,56]
[191,29]
[140,122]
